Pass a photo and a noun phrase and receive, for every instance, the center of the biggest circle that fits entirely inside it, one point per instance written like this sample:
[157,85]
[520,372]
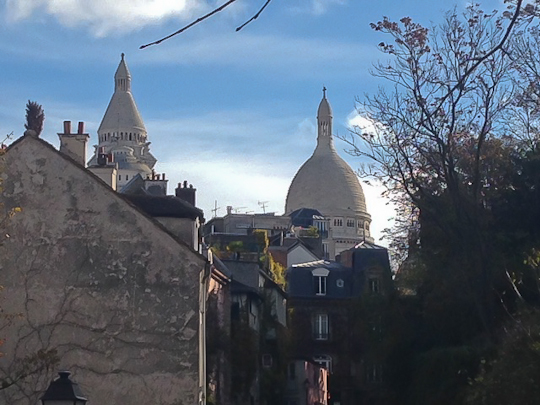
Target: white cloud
[321,6]
[380,208]
[105,16]
[316,7]
[357,122]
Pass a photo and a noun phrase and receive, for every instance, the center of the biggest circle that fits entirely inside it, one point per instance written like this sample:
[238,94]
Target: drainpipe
[204,280]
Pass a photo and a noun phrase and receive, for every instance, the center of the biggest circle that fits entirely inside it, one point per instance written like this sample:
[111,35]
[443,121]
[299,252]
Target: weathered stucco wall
[99,282]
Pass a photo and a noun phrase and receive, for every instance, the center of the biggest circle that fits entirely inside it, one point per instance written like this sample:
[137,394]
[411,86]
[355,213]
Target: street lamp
[63,391]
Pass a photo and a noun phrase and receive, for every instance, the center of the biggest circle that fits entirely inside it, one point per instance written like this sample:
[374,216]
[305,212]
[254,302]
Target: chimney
[74,145]
[186,193]
[156,184]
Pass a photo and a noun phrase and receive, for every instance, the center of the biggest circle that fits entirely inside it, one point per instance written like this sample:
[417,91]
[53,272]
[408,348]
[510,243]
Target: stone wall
[96,281]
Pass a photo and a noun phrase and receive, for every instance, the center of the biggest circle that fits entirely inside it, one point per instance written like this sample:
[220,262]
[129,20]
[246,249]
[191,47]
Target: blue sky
[232,113]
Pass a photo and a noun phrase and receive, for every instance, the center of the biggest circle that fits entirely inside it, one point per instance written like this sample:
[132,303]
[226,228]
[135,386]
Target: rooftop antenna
[237,209]
[215,209]
[262,204]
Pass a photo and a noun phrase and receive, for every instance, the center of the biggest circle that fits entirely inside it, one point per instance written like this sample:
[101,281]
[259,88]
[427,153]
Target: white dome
[326,182]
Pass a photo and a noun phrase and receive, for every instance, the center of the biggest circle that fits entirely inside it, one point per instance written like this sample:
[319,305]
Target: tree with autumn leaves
[454,136]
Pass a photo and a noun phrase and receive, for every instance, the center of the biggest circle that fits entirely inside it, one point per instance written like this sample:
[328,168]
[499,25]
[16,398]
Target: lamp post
[63,391]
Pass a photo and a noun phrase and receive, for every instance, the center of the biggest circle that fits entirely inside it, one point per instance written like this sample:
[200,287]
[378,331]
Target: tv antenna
[263,204]
[215,209]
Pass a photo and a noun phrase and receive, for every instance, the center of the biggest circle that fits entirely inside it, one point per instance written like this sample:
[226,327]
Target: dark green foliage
[34,117]
[244,357]
[455,139]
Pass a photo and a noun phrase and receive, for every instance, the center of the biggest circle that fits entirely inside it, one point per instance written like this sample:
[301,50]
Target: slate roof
[165,206]
[304,217]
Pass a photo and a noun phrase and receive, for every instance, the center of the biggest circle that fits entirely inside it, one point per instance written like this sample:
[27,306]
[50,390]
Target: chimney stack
[74,145]
[186,193]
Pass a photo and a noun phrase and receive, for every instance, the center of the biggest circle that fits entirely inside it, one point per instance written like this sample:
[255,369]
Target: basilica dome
[325,182]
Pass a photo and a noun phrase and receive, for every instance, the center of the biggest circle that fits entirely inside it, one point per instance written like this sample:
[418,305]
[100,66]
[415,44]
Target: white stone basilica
[327,184]
[122,133]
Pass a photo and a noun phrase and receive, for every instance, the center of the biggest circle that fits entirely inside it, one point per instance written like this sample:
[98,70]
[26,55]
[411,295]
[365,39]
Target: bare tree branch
[191,24]
[255,16]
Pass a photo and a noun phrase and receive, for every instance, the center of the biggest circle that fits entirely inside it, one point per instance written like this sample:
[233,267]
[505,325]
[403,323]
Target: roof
[368,245]
[122,113]
[316,263]
[165,206]
[304,216]
[219,265]
[240,288]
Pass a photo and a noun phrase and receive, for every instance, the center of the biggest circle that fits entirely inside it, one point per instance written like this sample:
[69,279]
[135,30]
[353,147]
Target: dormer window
[319,280]
[320,285]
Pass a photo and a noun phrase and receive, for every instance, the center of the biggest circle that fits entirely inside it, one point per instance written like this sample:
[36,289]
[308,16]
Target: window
[338,222]
[235,311]
[374,285]
[350,223]
[320,327]
[320,285]
[291,371]
[325,361]
[326,252]
[267,360]
[319,280]
[374,373]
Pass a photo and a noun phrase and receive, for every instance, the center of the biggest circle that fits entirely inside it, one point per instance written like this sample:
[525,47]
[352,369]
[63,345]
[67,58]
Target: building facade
[103,289]
[335,309]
